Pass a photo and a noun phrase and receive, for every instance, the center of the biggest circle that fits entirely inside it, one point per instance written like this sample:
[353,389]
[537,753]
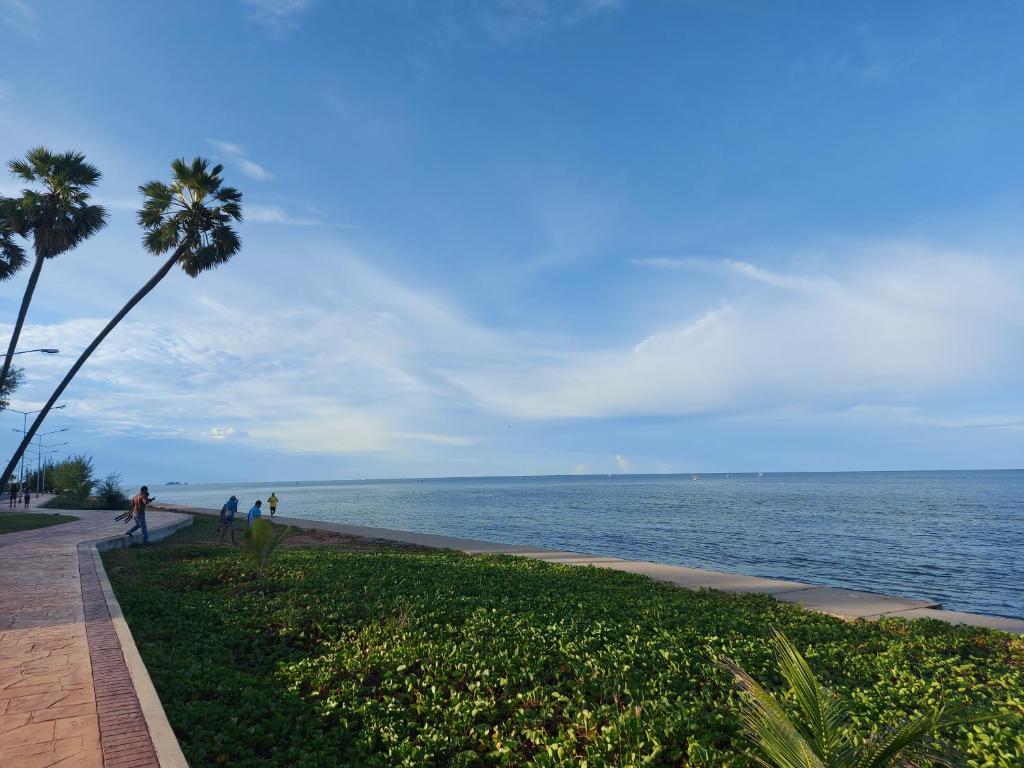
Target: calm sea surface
[956,537]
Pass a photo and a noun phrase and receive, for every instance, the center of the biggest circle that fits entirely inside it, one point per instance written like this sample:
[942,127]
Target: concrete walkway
[67,695]
[844,603]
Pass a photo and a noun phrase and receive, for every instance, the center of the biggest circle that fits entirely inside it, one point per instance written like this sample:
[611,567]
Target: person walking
[272,503]
[14,497]
[255,513]
[28,497]
[139,502]
[227,518]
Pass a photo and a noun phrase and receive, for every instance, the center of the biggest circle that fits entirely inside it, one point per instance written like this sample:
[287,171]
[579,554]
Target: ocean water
[955,537]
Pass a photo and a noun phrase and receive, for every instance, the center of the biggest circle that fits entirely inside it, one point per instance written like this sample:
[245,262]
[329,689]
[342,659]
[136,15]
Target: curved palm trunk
[139,296]
[25,301]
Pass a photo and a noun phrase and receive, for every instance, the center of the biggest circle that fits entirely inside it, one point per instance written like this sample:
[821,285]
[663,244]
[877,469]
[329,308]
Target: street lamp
[39,455]
[40,481]
[44,350]
[24,429]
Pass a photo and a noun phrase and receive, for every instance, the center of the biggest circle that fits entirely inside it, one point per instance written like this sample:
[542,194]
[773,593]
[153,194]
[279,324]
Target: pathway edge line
[168,750]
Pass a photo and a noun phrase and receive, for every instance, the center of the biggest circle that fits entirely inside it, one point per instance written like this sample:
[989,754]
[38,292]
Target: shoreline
[834,601]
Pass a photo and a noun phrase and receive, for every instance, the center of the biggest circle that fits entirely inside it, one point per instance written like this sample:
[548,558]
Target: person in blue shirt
[227,518]
[255,512]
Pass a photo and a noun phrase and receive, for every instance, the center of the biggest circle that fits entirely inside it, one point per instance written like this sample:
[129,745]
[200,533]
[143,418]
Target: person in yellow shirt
[272,502]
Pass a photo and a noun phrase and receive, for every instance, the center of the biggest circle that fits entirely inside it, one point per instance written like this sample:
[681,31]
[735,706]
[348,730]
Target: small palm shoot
[819,737]
[262,541]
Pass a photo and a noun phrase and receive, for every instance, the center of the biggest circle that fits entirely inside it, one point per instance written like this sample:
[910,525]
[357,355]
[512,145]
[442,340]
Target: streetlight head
[48,351]
[58,407]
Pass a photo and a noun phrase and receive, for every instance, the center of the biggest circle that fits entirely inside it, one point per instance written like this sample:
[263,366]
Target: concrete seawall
[835,601]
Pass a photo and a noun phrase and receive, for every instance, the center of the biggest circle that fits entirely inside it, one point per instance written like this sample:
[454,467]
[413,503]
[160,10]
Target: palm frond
[191,216]
[766,723]
[821,738]
[55,211]
[823,712]
[12,254]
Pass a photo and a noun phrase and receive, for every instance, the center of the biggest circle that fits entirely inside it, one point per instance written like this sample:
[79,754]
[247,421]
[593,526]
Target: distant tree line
[75,485]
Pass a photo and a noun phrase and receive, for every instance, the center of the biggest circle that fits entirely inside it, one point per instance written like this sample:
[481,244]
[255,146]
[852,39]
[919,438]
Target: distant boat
[695,477]
[760,474]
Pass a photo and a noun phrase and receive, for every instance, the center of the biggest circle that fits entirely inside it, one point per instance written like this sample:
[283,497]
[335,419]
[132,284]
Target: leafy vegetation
[74,483]
[261,541]
[819,736]
[9,385]
[110,493]
[25,521]
[435,659]
[72,479]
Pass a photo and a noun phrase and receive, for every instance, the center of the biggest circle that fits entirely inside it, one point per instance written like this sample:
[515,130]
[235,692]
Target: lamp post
[44,350]
[41,485]
[24,429]
[39,455]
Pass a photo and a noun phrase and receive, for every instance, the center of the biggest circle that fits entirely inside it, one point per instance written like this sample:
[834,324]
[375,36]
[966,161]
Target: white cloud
[253,170]
[6,89]
[275,214]
[368,364]
[898,321]
[277,17]
[622,463]
[236,155]
[20,16]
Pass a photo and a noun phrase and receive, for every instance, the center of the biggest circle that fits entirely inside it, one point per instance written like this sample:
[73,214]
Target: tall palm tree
[55,213]
[819,737]
[191,218]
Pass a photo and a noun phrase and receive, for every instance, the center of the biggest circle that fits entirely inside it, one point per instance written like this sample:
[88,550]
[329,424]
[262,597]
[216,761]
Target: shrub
[73,479]
[110,494]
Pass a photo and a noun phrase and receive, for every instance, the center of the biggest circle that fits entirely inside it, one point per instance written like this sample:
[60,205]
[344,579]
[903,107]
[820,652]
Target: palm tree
[57,217]
[12,255]
[191,218]
[820,737]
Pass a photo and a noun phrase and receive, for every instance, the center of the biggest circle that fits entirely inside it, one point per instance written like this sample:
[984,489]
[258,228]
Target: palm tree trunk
[139,296]
[25,301]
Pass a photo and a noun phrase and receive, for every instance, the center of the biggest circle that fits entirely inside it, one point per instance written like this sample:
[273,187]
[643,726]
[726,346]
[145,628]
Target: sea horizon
[953,536]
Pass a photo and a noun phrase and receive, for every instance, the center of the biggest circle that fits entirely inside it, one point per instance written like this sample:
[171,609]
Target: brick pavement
[66,697]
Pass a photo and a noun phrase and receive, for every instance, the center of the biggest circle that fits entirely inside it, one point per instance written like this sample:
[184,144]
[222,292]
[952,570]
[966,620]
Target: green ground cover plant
[25,521]
[411,658]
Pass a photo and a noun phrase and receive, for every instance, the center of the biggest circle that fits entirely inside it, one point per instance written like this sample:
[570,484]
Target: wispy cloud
[236,155]
[6,89]
[20,16]
[374,365]
[277,17]
[506,20]
[275,214]
[899,321]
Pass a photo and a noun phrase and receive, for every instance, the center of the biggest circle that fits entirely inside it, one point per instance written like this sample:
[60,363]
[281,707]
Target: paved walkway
[835,601]
[66,697]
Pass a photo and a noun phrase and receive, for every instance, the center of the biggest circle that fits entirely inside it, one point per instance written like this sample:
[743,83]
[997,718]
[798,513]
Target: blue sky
[539,236]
